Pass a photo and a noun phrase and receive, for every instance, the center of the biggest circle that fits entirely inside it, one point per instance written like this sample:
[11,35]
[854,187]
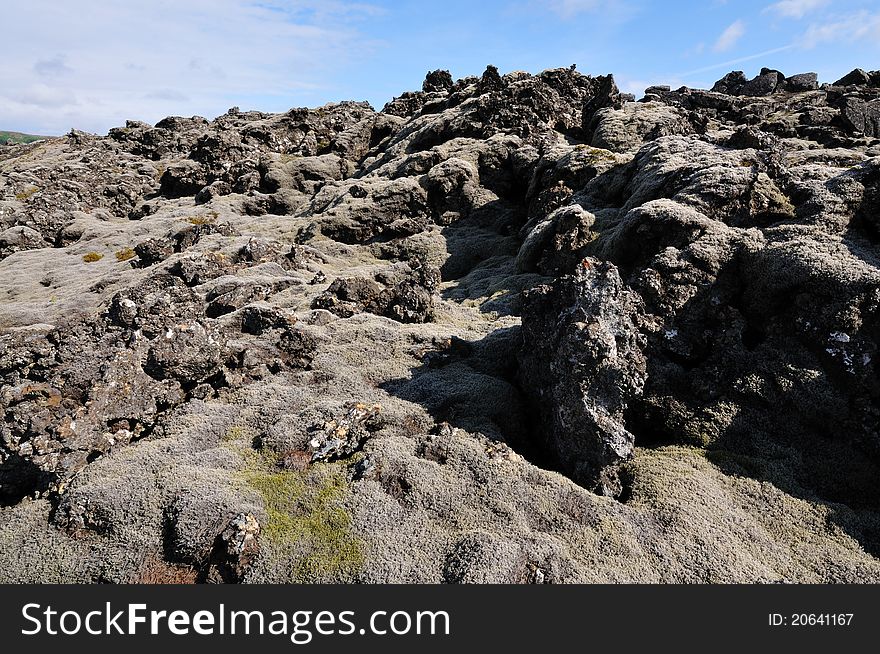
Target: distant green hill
[18,137]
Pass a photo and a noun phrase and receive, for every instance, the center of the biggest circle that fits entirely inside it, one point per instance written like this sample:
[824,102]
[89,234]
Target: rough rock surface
[511,328]
[582,362]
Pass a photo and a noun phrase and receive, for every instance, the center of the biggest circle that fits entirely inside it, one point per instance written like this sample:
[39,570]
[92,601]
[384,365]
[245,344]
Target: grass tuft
[207,219]
[125,254]
[27,194]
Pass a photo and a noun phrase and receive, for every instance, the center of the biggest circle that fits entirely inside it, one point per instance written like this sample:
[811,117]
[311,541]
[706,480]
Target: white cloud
[92,64]
[856,27]
[795,8]
[730,36]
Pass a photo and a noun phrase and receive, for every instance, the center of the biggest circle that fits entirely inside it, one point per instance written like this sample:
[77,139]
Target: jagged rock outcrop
[582,363]
[511,328]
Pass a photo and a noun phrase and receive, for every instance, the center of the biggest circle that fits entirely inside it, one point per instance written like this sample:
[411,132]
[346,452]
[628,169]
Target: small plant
[155,571]
[125,254]
[297,460]
[92,257]
[206,219]
[596,156]
[27,193]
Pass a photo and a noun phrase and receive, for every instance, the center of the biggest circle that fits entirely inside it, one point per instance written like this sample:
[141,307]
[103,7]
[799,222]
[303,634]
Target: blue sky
[91,64]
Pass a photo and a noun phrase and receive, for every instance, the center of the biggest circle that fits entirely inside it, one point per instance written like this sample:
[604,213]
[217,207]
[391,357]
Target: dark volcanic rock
[234,550]
[802,82]
[764,84]
[857,77]
[581,363]
[186,352]
[860,116]
[404,293]
[731,84]
[438,80]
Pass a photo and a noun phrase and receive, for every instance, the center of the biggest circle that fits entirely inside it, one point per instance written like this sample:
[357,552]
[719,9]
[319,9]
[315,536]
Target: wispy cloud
[149,58]
[730,37]
[795,8]
[53,67]
[569,8]
[733,62]
[323,9]
[860,26]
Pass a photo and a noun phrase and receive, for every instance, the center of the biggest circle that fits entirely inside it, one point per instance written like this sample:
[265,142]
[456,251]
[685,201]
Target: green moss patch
[307,521]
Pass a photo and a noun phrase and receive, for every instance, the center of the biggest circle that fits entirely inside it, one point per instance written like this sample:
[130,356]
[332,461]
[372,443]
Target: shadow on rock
[20,478]
[471,385]
[814,465]
[769,367]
